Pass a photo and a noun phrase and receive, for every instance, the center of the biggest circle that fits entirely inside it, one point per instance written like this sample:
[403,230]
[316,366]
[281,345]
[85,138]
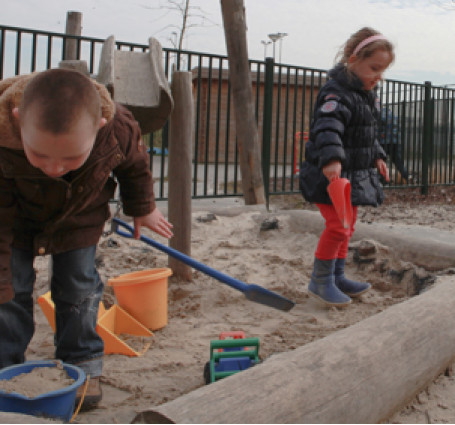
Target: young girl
[342,143]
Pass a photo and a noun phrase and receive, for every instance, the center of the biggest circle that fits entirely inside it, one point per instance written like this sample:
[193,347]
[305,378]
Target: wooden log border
[361,374]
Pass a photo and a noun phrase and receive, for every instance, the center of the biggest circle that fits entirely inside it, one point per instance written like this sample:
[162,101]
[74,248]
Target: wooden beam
[73,27]
[245,120]
[179,171]
[361,374]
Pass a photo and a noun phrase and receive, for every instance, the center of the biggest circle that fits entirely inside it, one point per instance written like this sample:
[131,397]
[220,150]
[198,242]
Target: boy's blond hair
[60,97]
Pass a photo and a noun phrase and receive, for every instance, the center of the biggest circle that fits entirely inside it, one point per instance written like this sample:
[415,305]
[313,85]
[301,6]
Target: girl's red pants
[334,240]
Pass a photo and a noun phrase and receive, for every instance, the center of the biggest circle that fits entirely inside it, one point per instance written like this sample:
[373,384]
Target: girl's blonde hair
[348,48]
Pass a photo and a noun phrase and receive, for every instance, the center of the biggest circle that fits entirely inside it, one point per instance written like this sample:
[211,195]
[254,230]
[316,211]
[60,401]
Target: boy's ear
[15,112]
[103,122]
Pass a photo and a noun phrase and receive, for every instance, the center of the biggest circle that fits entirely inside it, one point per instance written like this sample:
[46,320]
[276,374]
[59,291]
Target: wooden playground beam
[233,12]
[179,170]
[361,374]
[73,27]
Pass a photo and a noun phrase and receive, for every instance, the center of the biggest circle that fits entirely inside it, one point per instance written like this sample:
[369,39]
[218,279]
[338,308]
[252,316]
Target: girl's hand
[154,221]
[332,170]
[383,169]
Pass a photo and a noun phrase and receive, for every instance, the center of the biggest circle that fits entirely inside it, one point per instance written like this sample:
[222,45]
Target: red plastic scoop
[339,191]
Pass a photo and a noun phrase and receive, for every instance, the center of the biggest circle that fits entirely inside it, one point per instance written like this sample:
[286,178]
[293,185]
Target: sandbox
[279,259]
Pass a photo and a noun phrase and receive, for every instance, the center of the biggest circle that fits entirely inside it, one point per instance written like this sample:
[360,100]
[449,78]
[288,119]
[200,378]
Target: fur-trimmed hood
[11,90]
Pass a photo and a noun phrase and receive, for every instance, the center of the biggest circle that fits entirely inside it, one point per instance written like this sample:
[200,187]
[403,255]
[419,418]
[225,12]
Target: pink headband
[367,41]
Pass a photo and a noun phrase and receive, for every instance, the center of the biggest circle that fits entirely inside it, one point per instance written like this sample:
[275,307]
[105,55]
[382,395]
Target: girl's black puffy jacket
[343,128]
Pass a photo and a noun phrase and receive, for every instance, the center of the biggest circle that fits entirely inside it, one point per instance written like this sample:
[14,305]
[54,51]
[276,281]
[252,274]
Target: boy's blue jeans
[76,292]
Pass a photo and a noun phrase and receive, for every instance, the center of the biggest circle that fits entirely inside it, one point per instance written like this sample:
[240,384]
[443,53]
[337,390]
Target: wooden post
[245,121]
[179,171]
[73,27]
[361,374]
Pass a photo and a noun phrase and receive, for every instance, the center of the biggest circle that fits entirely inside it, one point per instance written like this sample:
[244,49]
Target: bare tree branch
[190,17]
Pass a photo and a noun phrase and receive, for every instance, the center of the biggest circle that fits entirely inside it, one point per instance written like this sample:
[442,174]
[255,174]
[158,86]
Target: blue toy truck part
[235,355]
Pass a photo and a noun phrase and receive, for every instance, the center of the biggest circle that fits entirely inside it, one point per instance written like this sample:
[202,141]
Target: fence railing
[419,125]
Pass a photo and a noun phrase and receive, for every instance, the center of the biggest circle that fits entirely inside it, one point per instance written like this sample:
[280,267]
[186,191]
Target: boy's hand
[332,170]
[154,221]
[383,169]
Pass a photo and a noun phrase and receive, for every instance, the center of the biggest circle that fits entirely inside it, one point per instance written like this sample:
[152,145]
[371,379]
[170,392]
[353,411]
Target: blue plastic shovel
[254,293]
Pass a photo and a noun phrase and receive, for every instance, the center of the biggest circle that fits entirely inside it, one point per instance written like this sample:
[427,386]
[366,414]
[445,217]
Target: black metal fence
[419,125]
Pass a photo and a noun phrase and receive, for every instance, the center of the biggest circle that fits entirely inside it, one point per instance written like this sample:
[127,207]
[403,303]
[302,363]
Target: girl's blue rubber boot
[322,284]
[349,287]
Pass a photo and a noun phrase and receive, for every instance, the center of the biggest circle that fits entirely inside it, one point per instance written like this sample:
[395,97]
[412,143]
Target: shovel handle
[252,292]
[235,283]
[116,224]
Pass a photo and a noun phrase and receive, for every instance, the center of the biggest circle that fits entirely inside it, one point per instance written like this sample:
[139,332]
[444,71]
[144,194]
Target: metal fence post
[427,136]
[267,126]
[402,138]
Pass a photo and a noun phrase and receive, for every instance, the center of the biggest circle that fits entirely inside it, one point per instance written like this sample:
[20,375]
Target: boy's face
[57,154]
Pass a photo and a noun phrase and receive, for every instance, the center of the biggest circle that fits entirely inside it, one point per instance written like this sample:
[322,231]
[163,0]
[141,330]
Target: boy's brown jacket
[53,215]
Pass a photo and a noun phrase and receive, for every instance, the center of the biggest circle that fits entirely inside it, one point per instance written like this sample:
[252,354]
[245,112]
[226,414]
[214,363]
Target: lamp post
[275,37]
[265,43]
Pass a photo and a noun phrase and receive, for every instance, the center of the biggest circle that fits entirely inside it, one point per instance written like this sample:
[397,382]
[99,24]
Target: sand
[37,381]
[280,259]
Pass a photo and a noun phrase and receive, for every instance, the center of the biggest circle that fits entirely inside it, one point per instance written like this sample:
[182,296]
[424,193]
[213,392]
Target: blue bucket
[54,404]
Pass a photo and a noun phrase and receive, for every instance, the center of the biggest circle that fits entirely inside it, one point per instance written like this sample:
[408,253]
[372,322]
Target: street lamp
[265,43]
[275,37]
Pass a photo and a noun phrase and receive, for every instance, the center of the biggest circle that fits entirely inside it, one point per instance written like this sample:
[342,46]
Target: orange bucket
[143,295]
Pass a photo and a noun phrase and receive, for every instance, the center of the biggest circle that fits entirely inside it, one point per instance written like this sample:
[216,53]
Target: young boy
[61,137]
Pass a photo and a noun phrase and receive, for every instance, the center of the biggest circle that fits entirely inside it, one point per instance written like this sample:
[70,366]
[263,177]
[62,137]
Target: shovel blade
[261,295]
[339,191]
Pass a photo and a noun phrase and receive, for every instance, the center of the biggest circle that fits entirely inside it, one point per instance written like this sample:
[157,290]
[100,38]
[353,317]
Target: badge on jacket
[329,106]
